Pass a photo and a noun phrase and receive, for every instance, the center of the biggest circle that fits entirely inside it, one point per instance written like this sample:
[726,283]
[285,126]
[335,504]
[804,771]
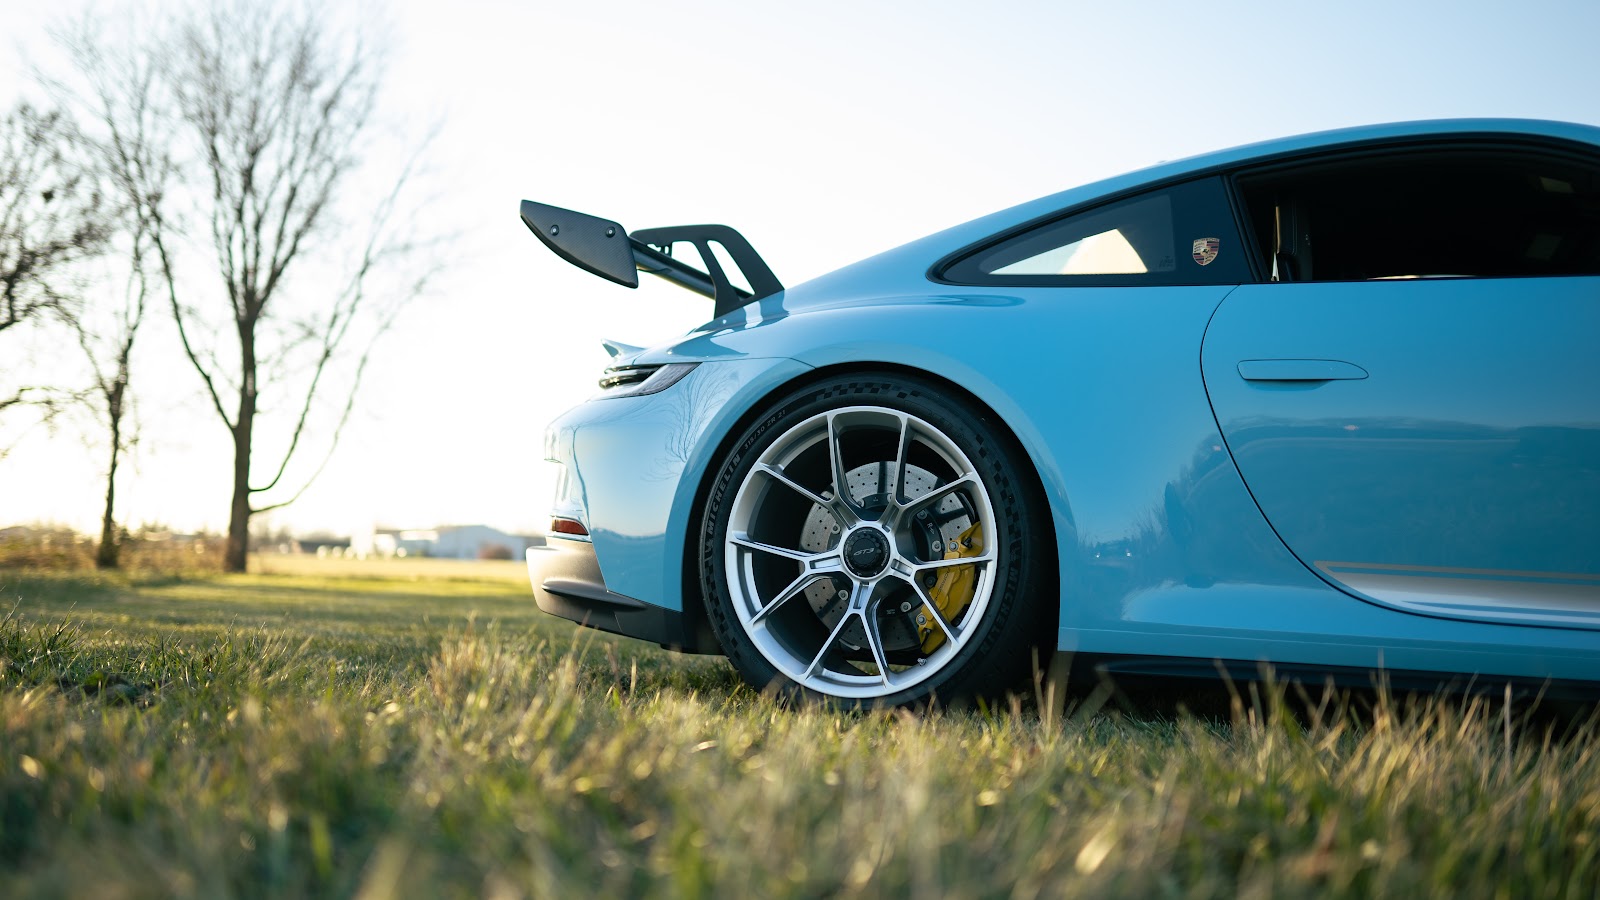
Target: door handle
[1300,370]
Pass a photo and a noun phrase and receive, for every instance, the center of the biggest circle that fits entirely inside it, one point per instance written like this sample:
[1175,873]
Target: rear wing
[602,247]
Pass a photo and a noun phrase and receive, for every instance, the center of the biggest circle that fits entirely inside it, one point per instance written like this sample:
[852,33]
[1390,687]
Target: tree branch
[183,331]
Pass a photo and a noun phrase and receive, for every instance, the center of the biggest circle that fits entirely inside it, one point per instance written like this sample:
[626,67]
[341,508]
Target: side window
[1183,234]
[1132,238]
[1428,214]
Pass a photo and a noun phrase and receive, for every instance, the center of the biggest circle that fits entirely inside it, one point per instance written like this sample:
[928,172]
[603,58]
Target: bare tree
[109,350]
[268,108]
[50,221]
[111,390]
[136,164]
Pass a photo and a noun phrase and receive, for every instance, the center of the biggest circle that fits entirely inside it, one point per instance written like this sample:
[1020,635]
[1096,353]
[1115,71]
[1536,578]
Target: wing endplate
[597,246]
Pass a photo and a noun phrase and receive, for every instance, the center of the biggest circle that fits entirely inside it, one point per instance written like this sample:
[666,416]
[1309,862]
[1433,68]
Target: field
[329,729]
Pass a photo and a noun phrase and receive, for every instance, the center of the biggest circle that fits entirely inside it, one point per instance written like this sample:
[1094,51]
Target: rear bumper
[567,583]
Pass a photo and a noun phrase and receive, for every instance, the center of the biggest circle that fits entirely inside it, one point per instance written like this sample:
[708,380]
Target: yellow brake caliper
[953,589]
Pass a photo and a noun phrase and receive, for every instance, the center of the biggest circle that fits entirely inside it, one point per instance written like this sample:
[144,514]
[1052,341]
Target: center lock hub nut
[866,553]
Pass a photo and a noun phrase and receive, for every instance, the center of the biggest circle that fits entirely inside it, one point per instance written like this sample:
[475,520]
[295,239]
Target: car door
[1414,399]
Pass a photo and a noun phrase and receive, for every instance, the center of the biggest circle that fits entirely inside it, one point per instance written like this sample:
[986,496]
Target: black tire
[861,595]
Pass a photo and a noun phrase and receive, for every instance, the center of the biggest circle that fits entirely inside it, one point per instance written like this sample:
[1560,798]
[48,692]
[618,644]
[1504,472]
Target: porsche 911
[1328,404]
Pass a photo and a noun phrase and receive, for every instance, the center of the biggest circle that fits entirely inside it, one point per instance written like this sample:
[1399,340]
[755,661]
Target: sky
[824,132]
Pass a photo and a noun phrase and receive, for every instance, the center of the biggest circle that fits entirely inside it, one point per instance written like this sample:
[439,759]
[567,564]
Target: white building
[453,542]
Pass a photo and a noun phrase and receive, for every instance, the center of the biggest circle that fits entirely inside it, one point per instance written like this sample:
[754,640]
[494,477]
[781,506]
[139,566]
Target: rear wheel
[870,540]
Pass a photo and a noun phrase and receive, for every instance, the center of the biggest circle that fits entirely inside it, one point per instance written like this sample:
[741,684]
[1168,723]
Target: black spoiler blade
[597,246]
[601,247]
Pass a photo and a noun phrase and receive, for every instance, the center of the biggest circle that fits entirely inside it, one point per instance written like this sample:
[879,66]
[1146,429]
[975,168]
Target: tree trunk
[239,508]
[109,554]
[239,511]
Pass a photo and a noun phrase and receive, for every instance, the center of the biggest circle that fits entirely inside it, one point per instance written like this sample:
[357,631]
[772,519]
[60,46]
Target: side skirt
[1095,668]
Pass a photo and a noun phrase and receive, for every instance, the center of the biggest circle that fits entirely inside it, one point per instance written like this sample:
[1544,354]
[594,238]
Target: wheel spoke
[745,541]
[902,450]
[930,565]
[827,644]
[932,607]
[828,562]
[777,475]
[787,594]
[843,505]
[875,642]
[968,480]
[825,563]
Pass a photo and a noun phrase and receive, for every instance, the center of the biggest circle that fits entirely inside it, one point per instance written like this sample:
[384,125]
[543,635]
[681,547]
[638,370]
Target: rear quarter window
[1178,234]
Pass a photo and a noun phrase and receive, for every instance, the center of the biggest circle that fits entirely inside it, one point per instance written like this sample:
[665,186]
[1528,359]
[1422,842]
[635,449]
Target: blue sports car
[1330,402]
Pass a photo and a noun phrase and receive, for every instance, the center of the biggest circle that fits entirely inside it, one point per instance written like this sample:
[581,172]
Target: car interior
[1428,215]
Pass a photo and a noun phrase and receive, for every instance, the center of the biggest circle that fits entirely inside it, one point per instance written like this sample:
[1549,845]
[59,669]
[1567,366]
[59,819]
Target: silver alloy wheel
[834,539]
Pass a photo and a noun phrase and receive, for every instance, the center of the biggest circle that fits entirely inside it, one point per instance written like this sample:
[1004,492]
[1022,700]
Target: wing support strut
[602,247]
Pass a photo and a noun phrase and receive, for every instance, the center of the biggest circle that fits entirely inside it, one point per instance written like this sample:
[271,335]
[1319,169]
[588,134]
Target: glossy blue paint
[1481,417]
[1393,439]
[633,464]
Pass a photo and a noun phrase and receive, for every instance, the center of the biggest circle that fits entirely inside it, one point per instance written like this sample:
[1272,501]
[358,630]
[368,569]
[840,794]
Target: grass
[356,732]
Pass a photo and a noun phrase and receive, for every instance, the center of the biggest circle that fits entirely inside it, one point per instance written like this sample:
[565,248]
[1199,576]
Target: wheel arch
[697,616]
